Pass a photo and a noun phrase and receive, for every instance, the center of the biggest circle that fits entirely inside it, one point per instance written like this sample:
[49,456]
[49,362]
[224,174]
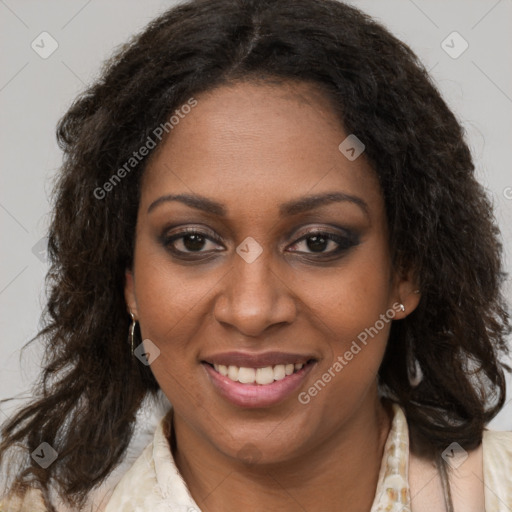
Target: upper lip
[247,360]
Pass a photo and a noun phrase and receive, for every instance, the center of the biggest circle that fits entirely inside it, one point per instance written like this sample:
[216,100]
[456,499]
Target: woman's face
[285,260]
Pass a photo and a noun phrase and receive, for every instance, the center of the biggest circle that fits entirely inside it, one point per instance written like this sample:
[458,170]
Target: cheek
[167,303]
[167,295]
[353,295]
[356,323]
[352,308]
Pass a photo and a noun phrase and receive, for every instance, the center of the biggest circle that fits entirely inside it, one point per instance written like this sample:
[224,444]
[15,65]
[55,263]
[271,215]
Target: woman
[271,199]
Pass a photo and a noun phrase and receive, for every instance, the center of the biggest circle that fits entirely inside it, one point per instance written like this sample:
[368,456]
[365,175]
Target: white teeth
[246,375]
[279,372]
[233,372]
[266,375]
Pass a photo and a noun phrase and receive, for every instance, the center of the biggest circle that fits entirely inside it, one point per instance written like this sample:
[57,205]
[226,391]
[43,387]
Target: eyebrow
[289,208]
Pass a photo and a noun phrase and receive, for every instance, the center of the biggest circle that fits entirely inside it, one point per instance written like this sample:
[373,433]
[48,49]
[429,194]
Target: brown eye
[193,242]
[190,241]
[319,241]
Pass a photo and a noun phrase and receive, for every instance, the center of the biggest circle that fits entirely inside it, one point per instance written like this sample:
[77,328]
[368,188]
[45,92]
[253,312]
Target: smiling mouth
[259,376]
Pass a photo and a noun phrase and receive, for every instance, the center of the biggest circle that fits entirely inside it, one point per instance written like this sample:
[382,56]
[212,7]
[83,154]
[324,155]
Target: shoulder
[497,462]
[494,439]
[138,485]
[31,501]
[154,481]
[497,451]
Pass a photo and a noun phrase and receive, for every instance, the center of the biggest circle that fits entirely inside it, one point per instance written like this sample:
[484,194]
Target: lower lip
[256,395]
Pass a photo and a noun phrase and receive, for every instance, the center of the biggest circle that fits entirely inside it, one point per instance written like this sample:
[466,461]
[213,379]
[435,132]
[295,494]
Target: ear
[129,292]
[407,292]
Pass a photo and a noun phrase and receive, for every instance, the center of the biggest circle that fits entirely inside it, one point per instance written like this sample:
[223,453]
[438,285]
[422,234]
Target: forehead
[255,142]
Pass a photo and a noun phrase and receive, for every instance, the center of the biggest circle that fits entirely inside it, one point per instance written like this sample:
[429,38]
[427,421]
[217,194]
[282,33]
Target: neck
[340,472]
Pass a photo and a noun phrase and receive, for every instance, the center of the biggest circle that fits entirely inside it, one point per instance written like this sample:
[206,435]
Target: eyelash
[344,242]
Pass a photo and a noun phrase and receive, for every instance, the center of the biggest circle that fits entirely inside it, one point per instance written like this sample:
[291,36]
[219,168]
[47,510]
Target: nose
[254,297]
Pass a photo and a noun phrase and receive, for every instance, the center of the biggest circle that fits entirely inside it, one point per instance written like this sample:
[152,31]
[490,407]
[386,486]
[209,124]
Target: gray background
[35,92]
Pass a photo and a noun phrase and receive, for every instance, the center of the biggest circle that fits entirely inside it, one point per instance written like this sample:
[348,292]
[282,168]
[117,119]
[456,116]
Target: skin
[253,146]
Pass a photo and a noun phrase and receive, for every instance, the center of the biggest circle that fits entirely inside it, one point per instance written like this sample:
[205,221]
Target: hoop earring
[131,336]
[414,372]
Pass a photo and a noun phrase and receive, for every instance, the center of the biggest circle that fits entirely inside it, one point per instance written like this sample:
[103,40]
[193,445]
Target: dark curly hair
[440,219]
